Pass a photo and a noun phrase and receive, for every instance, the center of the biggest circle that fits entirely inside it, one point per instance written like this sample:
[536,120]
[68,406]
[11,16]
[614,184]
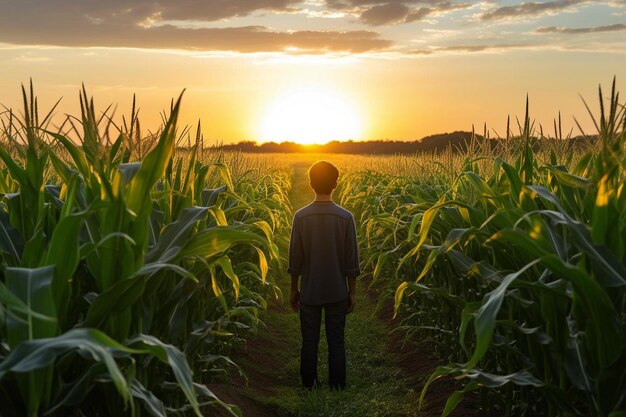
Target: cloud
[609,28]
[470,48]
[347,4]
[529,9]
[395,12]
[240,39]
[210,25]
[30,58]
[117,11]
[419,14]
[149,24]
[440,8]
[385,14]
[220,9]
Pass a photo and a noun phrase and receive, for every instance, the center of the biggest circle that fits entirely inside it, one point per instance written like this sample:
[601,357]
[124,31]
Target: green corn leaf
[263,265]
[129,170]
[114,299]
[73,393]
[20,310]
[202,390]
[10,240]
[34,288]
[175,235]
[113,159]
[478,184]
[441,371]
[218,215]
[227,267]
[151,403]
[209,196]
[214,241]
[457,396]
[415,220]
[153,166]
[269,234]
[17,172]
[521,378]
[75,152]
[473,269]
[170,355]
[438,291]
[468,313]
[568,179]
[154,267]
[604,334]
[225,175]
[452,239]
[41,353]
[514,179]
[613,271]
[64,254]
[487,315]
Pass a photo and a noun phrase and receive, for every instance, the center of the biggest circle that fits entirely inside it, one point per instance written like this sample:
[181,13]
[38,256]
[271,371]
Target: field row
[124,285]
[513,272]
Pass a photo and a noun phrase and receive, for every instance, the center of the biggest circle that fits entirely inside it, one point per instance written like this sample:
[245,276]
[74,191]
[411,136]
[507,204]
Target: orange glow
[310,115]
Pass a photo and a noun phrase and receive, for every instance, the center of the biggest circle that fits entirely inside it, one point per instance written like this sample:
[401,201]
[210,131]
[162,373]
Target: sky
[318,70]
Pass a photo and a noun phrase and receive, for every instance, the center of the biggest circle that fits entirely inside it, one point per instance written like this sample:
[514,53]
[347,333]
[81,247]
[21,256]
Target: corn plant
[124,282]
[515,273]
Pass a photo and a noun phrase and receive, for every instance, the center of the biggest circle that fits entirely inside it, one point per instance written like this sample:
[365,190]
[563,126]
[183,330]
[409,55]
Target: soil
[417,363]
[261,379]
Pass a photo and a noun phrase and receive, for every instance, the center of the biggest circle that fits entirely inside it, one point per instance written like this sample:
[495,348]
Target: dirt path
[383,377]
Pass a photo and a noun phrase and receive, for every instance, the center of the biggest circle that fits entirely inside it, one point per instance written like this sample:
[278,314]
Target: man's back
[323,250]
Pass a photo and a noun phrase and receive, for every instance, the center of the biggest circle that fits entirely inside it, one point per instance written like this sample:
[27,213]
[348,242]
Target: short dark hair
[323,177]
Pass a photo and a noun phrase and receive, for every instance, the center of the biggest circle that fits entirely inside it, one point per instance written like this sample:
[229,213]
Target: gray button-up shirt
[323,249]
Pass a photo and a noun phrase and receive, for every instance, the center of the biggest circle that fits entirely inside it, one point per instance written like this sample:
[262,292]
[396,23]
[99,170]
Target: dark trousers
[335,323]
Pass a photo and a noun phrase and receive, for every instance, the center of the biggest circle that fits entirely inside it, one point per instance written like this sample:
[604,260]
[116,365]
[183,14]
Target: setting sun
[310,116]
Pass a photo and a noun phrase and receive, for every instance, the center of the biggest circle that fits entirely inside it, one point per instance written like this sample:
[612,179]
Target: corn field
[129,267]
[513,271]
[134,264]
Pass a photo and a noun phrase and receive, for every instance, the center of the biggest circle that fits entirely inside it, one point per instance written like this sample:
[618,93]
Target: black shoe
[316,384]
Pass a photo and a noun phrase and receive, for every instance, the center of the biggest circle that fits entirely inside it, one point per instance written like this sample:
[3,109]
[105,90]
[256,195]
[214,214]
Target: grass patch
[375,386]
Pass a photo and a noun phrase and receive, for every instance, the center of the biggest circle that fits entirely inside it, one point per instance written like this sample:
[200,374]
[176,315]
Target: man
[323,251]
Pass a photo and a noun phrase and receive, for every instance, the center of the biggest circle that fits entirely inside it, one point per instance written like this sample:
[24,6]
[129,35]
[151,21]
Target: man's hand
[352,303]
[295,300]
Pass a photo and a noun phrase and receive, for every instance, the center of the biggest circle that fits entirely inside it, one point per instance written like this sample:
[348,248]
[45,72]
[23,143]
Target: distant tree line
[458,141]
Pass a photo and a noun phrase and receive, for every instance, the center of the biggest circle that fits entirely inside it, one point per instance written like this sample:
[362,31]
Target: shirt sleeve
[352,251]
[295,249]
